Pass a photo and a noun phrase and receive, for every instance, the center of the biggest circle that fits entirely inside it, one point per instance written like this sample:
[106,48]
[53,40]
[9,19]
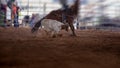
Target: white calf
[51,26]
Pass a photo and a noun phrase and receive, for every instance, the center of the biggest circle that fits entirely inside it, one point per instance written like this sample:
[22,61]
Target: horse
[71,13]
[51,27]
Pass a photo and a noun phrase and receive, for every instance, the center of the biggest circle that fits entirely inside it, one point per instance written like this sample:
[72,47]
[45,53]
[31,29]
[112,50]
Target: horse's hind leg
[72,28]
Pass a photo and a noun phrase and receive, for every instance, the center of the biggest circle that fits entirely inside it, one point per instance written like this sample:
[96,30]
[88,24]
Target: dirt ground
[19,48]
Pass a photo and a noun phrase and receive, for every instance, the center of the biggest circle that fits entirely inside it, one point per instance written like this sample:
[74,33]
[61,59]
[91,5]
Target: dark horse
[71,14]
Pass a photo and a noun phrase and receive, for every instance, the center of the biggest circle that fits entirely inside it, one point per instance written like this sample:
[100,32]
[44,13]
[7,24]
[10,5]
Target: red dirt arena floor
[19,48]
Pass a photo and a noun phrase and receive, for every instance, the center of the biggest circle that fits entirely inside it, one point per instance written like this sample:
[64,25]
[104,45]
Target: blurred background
[92,13]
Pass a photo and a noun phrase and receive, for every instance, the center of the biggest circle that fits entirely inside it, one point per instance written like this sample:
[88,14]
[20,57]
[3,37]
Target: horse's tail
[37,25]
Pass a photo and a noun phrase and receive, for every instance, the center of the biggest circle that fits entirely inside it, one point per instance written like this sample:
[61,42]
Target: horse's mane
[75,8]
